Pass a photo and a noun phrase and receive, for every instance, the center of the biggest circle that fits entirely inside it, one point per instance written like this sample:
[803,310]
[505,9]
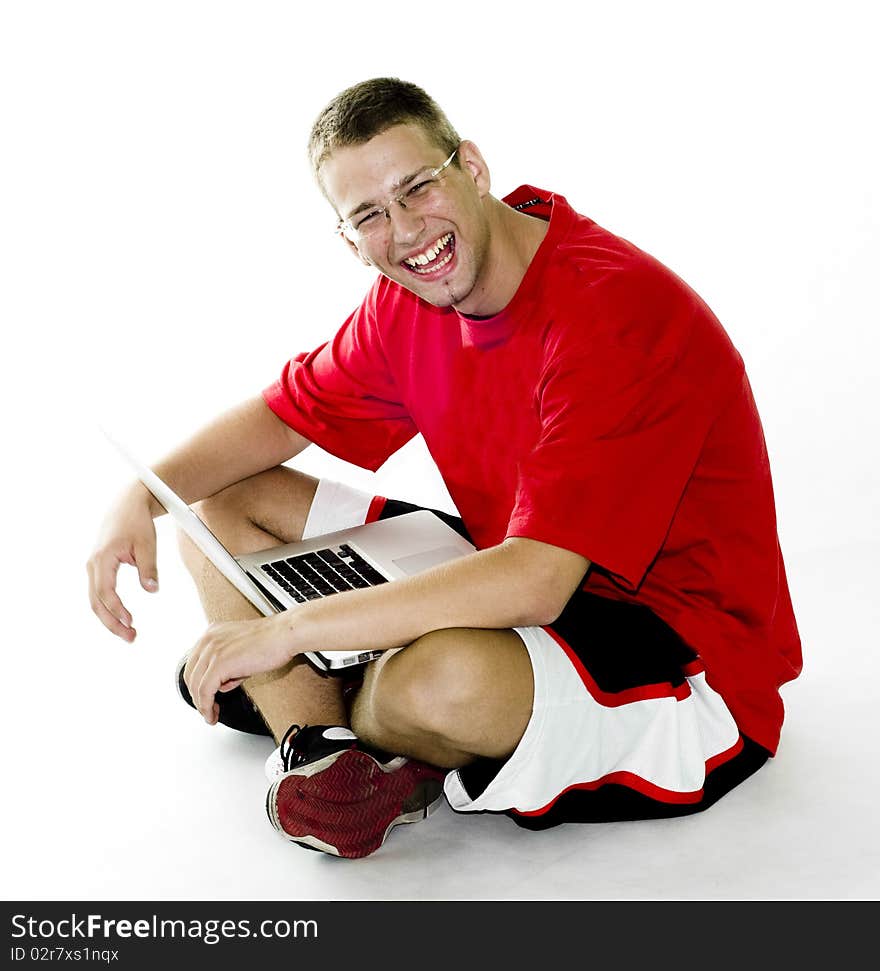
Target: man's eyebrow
[395,187]
[409,178]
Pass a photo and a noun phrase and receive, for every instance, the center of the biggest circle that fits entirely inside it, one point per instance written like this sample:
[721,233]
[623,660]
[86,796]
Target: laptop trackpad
[416,562]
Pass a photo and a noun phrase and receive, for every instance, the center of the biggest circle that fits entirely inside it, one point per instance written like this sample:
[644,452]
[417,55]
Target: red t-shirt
[605,411]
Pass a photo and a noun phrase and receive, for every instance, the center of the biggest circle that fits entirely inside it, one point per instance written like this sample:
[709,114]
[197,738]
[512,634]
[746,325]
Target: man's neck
[513,242]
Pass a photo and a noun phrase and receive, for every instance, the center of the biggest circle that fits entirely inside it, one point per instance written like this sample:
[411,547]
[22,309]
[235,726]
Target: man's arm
[244,441]
[519,583]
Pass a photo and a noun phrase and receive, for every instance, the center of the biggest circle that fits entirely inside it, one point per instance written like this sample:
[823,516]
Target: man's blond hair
[369,108]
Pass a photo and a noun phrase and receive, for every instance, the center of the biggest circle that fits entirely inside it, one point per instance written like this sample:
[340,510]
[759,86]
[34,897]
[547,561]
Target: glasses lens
[417,197]
[369,223]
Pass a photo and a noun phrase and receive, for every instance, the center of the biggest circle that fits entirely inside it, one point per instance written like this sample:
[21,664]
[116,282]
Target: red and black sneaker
[343,797]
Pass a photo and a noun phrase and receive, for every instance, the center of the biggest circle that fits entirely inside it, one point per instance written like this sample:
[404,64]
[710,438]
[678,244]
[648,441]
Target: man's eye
[420,188]
[367,217]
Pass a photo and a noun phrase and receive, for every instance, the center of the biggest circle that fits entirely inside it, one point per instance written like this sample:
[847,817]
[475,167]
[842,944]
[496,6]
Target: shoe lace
[291,754]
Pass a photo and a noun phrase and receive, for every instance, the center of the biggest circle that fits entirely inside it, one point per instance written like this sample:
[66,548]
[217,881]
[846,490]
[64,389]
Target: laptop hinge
[276,603]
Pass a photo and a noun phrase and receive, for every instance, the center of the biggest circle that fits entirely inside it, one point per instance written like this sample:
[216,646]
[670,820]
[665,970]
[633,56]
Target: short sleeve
[342,396]
[621,432]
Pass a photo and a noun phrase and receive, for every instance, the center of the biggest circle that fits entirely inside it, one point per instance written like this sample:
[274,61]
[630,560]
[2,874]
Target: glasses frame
[346,228]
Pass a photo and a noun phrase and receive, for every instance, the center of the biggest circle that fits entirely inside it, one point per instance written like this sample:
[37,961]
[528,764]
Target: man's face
[452,231]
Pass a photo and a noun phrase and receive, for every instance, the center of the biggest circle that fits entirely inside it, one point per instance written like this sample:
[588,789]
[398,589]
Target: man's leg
[260,512]
[340,787]
[443,700]
[449,697]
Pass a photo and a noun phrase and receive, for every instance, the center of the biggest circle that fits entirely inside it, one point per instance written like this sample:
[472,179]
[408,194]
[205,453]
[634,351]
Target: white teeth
[429,254]
[436,266]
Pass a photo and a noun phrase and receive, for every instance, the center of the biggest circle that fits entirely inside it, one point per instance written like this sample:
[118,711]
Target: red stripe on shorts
[636,782]
[375,510]
[639,693]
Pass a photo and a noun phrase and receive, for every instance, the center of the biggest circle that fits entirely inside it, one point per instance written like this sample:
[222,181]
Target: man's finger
[145,560]
[208,688]
[230,684]
[110,600]
[105,601]
[103,572]
[196,676]
[111,621]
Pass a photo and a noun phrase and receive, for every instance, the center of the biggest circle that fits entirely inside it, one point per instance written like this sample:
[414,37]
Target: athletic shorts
[623,726]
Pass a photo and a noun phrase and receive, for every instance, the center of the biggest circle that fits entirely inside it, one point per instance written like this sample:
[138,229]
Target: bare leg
[448,697]
[255,514]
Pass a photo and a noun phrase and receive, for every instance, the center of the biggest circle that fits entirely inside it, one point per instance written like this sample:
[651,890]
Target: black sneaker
[340,796]
[236,709]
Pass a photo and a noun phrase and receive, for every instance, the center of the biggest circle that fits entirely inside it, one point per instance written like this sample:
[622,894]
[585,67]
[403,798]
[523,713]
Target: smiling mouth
[432,259]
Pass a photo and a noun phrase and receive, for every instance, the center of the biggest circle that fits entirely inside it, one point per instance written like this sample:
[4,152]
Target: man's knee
[420,691]
[257,512]
[225,516]
[449,684]
[233,504]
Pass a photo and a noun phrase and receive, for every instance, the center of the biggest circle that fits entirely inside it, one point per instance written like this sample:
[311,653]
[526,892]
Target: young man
[615,646]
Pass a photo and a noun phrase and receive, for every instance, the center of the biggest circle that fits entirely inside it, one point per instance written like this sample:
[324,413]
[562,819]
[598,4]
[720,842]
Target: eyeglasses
[415,198]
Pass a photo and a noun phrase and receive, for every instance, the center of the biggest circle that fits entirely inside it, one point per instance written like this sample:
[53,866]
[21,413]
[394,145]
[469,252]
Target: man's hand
[244,441]
[229,652]
[127,536]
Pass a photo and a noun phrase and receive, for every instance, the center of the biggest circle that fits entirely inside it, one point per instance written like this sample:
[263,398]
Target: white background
[163,250]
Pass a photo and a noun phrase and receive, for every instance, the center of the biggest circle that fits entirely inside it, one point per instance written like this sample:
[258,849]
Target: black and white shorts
[623,723]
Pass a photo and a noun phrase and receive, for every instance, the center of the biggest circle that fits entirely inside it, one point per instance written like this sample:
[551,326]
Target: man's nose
[406,224]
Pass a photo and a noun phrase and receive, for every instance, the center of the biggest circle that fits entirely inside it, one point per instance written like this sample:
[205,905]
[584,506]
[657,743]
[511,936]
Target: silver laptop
[283,577]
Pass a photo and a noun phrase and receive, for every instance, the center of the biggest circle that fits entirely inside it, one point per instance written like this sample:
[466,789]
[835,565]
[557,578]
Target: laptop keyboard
[322,572]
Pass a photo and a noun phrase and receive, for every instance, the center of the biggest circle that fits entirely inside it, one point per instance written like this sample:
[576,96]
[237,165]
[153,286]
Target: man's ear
[472,161]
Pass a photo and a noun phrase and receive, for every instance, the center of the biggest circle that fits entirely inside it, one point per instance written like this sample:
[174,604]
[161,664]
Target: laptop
[282,577]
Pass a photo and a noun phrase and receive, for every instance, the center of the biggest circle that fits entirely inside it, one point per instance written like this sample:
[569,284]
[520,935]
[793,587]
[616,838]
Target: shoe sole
[355,804]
